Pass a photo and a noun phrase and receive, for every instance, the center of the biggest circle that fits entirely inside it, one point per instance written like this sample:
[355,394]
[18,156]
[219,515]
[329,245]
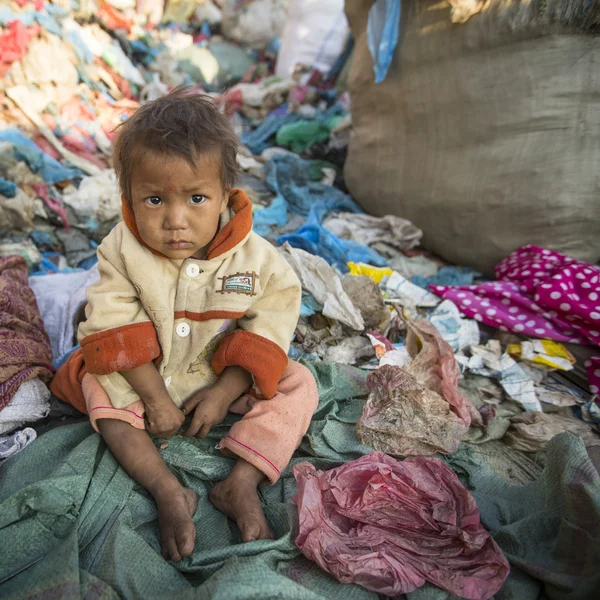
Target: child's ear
[225,201]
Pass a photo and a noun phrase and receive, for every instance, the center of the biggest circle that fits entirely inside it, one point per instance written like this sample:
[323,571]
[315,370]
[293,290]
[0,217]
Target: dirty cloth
[531,431]
[69,517]
[368,230]
[539,293]
[61,299]
[392,525]
[39,162]
[24,345]
[14,443]
[30,403]
[417,410]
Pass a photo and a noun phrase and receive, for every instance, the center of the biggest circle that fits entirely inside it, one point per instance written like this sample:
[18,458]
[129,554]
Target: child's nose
[176,218]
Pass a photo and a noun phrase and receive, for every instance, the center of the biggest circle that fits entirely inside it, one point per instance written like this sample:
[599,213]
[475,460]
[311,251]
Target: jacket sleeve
[261,343]
[117,334]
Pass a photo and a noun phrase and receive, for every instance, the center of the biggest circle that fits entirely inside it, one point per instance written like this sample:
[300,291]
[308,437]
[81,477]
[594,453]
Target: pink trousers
[266,436]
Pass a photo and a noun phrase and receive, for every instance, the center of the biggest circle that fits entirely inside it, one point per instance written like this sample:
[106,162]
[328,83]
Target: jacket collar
[229,235]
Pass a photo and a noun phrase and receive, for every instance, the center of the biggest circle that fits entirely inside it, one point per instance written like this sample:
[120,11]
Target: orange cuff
[120,349]
[66,384]
[261,357]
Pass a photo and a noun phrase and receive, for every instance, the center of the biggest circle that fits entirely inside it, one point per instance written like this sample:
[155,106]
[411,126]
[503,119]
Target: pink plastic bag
[391,525]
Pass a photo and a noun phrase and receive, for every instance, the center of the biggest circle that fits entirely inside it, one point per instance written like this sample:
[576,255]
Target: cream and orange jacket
[192,317]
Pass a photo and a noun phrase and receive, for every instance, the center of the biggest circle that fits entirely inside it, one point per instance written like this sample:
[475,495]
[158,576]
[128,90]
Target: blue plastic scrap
[8,189]
[309,305]
[289,177]
[274,215]
[382,35]
[39,162]
[447,275]
[314,238]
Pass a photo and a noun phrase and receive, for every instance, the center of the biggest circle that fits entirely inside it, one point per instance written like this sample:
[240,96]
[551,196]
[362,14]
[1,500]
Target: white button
[192,270]
[168,381]
[183,330]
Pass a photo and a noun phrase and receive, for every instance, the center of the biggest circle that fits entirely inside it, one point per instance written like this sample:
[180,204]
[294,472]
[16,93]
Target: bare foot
[177,530]
[236,496]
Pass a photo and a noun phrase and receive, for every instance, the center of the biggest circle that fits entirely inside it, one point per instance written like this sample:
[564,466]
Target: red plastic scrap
[390,526]
[13,44]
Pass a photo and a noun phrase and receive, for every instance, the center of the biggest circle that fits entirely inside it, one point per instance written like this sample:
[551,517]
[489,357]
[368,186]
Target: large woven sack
[485,134]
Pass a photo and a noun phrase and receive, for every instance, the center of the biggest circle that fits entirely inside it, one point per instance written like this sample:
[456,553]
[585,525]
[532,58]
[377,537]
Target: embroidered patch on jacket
[239,283]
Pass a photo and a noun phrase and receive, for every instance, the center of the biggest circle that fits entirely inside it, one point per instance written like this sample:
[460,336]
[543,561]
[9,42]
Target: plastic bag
[382,35]
[391,526]
[417,410]
[314,34]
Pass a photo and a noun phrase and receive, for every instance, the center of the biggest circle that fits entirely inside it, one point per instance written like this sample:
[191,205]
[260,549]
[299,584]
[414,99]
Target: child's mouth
[178,244]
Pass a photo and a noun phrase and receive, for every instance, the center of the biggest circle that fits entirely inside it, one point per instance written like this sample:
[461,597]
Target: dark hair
[182,124]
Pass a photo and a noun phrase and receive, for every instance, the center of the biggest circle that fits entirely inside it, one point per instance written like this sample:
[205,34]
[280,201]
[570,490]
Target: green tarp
[72,524]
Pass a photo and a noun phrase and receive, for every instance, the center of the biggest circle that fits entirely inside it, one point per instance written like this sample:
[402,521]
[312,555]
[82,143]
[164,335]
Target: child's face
[176,206]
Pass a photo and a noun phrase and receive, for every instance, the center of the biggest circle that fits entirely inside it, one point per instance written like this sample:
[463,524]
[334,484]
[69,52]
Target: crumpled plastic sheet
[383,29]
[294,178]
[531,431]
[24,149]
[390,526]
[368,230]
[417,410]
[318,278]
[490,361]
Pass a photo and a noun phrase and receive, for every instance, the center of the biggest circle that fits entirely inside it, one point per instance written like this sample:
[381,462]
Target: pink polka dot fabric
[539,293]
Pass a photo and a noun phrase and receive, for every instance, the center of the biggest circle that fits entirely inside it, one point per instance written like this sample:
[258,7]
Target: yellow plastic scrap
[375,273]
[543,352]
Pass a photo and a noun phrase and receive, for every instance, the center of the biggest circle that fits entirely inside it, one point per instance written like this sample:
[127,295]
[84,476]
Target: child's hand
[211,406]
[163,420]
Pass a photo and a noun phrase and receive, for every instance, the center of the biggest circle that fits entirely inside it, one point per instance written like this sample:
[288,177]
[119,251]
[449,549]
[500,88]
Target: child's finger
[195,425]
[205,430]
[188,406]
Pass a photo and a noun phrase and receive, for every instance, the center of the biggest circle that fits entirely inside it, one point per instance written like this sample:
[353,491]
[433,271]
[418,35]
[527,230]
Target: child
[192,311]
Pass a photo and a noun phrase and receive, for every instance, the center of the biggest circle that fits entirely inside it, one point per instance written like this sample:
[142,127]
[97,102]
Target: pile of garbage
[72,71]
[453,357]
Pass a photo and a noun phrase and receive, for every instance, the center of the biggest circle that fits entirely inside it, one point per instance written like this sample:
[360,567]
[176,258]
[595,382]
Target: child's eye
[153,201]
[197,199]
